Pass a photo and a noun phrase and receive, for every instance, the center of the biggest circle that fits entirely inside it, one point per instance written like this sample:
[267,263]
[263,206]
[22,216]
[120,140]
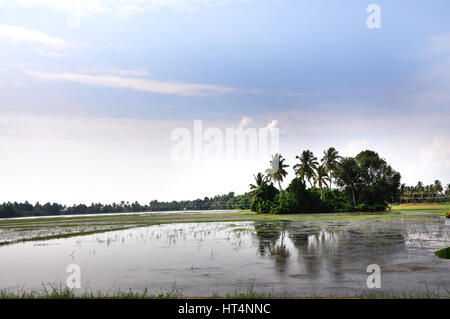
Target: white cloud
[439,44]
[356,146]
[138,84]
[19,34]
[246,121]
[81,9]
[111,70]
[273,124]
[303,94]
[437,154]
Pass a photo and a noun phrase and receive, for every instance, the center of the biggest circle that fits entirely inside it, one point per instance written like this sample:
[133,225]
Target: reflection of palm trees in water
[271,238]
[300,238]
[280,252]
[326,249]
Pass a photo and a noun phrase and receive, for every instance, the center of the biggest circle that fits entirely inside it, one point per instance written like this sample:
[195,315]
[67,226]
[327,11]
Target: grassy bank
[421,207]
[60,292]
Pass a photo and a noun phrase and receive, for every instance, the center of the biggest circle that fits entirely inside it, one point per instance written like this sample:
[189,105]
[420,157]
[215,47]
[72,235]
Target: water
[285,258]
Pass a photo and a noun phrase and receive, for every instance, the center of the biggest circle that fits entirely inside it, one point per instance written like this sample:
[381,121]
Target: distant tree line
[226,201]
[433,193]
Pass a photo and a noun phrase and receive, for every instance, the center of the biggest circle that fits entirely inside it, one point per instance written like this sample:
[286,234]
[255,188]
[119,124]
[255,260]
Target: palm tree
[307,166]
[419,186]
[438,186]
[321,178]
[277,171]
[259,180]
[330,160]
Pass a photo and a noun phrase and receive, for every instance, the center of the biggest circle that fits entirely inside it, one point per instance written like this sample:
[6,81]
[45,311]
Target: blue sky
[312,66]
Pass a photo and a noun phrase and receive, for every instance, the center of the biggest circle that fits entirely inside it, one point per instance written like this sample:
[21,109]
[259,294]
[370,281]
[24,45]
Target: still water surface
[285,258]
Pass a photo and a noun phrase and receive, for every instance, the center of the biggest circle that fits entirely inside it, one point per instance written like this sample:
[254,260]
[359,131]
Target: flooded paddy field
[221,254]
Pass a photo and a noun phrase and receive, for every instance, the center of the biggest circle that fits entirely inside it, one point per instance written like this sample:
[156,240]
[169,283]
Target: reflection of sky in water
[297,258]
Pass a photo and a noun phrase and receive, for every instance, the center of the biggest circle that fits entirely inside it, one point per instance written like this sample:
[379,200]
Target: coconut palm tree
[277,171]
[330,160]
[259,180]
[438,187]
[321,178]
[419,186]
[307,166]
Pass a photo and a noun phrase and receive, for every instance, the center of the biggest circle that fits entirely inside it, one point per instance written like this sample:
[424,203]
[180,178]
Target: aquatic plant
[443,253]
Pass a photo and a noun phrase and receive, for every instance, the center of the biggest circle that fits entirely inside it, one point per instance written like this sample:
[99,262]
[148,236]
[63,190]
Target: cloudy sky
[91,91]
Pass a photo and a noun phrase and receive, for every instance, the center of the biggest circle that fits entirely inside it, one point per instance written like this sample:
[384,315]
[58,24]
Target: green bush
[334,200]
[379,207]
[443,253]
[263,206]
[304,200]
[362,208]
[348,207]
[282,204]
[262,198]
[447,214]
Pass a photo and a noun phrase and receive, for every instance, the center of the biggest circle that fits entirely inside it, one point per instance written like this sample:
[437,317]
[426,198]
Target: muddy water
[291,258]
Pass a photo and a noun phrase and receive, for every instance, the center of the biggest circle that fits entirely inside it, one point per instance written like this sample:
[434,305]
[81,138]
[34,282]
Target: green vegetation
[277,171]
[421,193]
[64,235]
[226,201]
[443,253]
[249,293]
[366,183]
[52,291]
[411,294]
[421,207]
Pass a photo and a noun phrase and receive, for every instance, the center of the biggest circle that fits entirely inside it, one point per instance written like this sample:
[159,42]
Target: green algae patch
[443,253]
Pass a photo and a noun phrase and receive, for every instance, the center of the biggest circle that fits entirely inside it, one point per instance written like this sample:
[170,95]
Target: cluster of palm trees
[308,169]
[424,193]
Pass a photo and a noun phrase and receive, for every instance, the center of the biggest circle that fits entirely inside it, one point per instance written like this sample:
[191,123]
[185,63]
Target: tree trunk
[279,185]
[330,180]
[354,200]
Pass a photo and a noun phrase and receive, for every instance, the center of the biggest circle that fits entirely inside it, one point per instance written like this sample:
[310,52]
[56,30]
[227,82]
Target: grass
[250,293]
[52,291]
[419,207]
[66,235]
[409,294]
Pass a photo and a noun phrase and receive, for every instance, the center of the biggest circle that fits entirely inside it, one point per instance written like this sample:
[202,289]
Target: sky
[92,91]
